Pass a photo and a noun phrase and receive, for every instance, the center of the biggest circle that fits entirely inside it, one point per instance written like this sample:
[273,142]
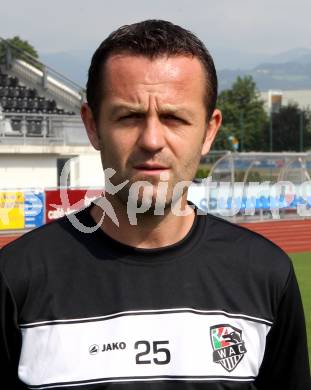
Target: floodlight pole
[301,131]
[271,131]
[242,130]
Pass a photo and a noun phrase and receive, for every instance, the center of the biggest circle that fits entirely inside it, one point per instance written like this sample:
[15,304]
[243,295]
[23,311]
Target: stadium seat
[18,98]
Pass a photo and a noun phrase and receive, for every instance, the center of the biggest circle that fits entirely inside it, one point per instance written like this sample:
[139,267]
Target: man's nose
[152,137]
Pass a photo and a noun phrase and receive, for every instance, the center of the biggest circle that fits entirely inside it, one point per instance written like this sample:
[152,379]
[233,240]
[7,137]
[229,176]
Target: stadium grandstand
[40,125]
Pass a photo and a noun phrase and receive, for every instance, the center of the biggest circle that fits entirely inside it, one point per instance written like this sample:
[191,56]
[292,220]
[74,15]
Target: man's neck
[151,231]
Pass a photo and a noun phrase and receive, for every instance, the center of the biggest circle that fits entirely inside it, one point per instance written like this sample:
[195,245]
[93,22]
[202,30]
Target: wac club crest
[228,345]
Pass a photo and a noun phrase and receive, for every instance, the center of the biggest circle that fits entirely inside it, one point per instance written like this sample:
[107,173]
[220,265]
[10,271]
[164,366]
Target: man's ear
[90,125]
[211,131]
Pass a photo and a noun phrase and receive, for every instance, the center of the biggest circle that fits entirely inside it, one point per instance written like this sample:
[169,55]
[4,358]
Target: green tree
[287,125]
[244,117]
[19,49]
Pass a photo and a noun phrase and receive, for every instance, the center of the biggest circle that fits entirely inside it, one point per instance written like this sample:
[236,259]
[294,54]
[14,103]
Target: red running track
[5,239]
[291,236]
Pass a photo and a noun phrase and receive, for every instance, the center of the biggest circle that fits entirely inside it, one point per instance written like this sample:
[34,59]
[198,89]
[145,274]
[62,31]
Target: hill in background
[290,70]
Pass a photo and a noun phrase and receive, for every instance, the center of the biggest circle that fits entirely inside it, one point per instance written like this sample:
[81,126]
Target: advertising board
[12,210]
[77,199]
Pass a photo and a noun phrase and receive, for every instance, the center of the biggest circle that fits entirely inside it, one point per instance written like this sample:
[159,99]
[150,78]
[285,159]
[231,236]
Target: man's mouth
[151,168]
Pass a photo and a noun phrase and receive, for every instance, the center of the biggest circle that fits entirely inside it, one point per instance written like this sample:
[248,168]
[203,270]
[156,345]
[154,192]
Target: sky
[254,26]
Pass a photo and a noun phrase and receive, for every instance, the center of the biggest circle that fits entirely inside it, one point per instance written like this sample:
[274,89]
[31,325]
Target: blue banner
[34,209]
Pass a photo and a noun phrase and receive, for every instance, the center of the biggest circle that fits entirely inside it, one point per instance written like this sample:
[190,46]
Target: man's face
[152,120]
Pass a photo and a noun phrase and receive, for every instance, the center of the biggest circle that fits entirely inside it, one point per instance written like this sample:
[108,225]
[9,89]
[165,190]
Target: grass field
[302,265]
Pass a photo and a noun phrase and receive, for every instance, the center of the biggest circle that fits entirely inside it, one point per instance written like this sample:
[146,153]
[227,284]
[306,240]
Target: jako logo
[93,350]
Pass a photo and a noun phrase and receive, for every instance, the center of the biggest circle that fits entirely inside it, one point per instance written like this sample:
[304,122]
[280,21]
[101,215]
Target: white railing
[45,78]
[43,129]
[26,72]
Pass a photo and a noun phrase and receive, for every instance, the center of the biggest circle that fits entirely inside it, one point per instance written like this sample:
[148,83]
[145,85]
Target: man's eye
[130,116]
[173,118]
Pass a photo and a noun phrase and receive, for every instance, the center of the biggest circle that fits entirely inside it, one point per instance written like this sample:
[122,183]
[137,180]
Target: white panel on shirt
[171,344]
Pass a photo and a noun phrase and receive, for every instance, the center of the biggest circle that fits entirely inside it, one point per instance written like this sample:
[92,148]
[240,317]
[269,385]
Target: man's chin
[149,206]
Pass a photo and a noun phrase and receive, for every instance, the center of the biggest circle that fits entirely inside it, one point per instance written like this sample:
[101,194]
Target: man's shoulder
[42,241]
[34,237]
[249,248]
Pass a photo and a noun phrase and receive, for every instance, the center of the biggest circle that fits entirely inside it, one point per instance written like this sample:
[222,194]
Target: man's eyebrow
[172,110]
[118,108]
[169,109]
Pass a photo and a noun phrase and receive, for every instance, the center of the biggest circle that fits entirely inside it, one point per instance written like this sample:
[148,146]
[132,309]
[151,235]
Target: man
[170,299]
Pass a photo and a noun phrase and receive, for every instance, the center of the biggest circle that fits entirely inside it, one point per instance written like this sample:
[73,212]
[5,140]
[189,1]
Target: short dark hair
[150,38]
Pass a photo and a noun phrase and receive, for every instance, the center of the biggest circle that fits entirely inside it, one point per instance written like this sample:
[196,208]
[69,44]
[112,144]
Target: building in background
[284,97]
[274,101]
[41,129]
